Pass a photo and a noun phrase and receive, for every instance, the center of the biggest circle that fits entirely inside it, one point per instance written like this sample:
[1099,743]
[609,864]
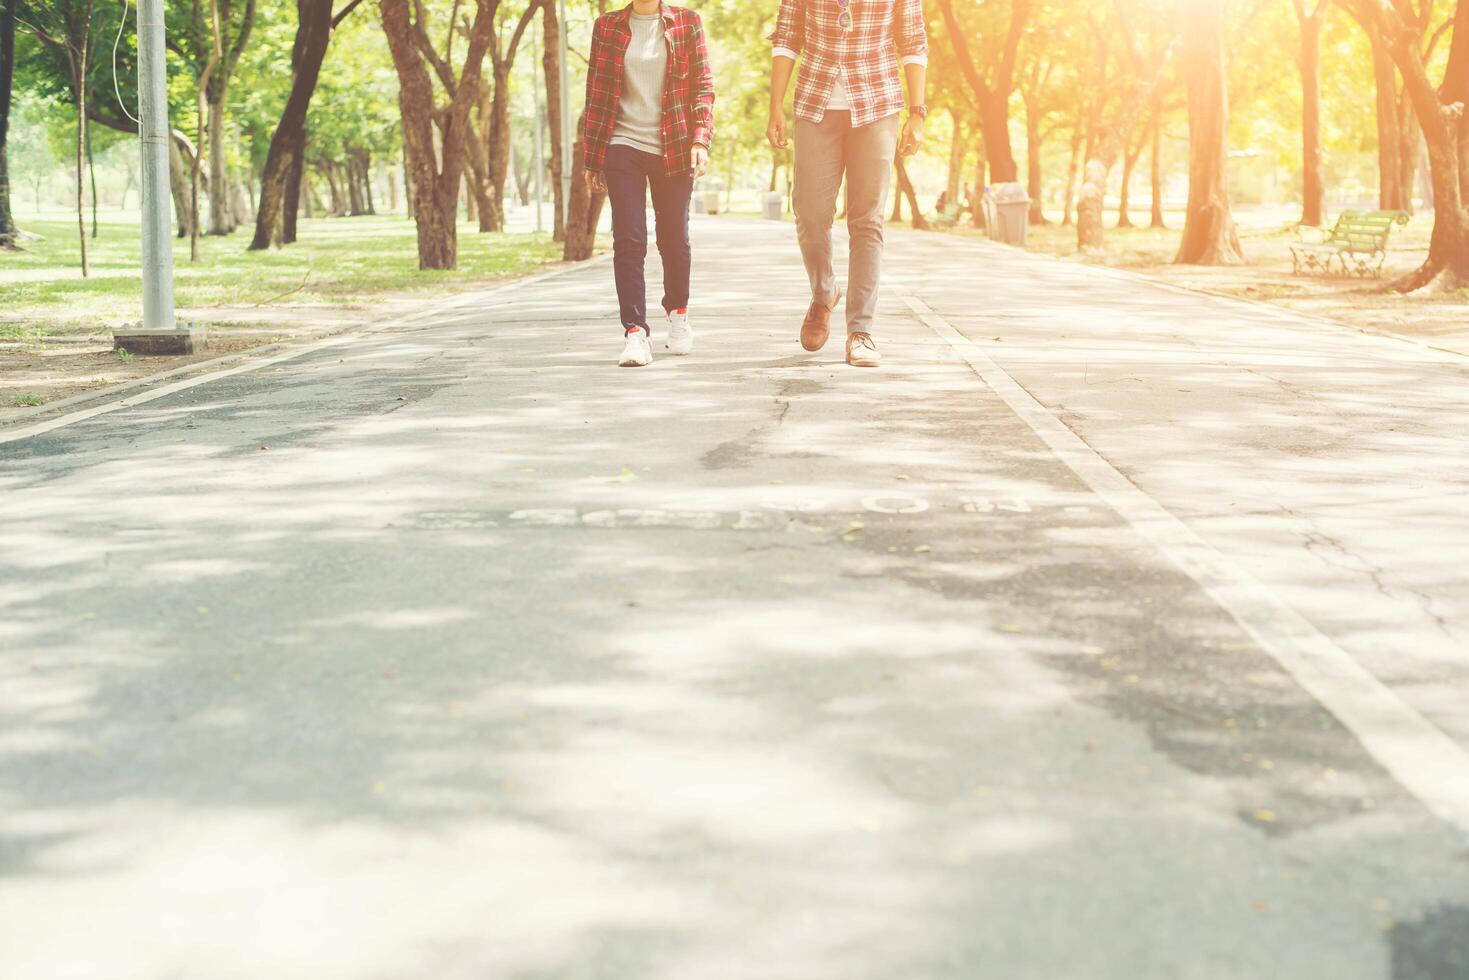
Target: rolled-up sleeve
[912,35]
[790,29]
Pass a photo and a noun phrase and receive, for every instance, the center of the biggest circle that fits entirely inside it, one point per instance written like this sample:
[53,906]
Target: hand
[701,161]
[775,132]
[912,137]
[596,183]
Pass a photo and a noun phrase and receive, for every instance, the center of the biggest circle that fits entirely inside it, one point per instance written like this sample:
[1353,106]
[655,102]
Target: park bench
[1357,243]
[949,216]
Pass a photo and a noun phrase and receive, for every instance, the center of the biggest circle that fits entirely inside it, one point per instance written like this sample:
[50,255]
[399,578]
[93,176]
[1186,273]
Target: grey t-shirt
[640,113]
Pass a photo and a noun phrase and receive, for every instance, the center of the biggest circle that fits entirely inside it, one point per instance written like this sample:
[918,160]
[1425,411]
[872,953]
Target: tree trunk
[994,114]
[1313,187]
[8,230]
[78,59]
[1068,216]
[178,184]
[586,207]
[981,181]
[956,159]
[551,60]
[92,177]
[282,163]
[1124,197]
[1156,177]
[1410,144]
[365,163]
[500,138]
[1389,137]
[221,213]
[297,184]
[1034,186]
[1209,235]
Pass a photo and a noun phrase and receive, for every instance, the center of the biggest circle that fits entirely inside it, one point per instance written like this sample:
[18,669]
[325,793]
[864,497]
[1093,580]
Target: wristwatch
[921,111]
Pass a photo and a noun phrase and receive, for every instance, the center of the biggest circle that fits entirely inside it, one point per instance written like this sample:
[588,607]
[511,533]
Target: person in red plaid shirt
[848,100]
[649,124]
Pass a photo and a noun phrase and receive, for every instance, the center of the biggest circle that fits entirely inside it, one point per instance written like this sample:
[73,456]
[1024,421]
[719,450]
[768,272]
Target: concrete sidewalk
[457,652]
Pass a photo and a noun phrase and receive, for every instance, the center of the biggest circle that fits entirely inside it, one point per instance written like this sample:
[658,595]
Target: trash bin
[774,205]
[701,204]
[1007,213]
[711,202]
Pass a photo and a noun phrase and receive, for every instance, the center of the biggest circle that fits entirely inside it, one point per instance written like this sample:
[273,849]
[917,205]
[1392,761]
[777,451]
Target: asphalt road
[1107,631]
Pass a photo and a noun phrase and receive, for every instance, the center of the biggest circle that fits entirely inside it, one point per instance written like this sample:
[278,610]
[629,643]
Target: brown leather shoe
[861,351]
[817,325]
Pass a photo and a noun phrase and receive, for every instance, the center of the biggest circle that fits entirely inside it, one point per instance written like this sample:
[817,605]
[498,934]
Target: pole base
[142,342]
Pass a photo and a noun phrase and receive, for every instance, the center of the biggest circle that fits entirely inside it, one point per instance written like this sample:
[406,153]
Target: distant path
[454,651]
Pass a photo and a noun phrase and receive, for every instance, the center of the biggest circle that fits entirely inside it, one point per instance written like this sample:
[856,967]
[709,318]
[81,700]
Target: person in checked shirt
[848,101]
[649,124]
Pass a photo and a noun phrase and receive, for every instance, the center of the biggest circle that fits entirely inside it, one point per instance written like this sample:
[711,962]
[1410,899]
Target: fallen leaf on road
[1011,628]
[922,549]
[1265,816]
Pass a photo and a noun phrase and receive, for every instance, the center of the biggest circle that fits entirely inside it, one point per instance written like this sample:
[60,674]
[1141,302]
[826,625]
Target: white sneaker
[680,334]
[638,352]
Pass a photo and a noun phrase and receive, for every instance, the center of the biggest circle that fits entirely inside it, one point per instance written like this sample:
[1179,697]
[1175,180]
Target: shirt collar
[625,14]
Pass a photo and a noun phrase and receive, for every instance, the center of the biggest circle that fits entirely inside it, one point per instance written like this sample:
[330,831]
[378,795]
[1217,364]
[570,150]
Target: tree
[1309,13]
[280,182]
[991,95]
[436,171]
[1112,134]
[489,145]
[8,230]
[65,28]
[1440,112]
[551,62]
[1398,133]
[211,65]
[1209,235]
[216,34]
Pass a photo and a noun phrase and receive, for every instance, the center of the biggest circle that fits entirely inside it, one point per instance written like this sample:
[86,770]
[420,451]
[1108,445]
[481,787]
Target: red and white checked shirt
[688,87]
[884,34]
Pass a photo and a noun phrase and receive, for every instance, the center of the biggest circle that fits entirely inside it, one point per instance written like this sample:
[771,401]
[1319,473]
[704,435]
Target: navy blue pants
[630,174]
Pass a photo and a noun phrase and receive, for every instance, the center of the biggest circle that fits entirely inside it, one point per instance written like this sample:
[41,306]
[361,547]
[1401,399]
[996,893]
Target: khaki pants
[824,152]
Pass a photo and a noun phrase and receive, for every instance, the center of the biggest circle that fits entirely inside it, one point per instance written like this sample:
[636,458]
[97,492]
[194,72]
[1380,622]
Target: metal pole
[540,137]
[565,118]
[158,313]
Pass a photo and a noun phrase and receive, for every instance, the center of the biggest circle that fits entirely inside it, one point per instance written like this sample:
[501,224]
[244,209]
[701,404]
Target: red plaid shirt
[688,87]
[883,33]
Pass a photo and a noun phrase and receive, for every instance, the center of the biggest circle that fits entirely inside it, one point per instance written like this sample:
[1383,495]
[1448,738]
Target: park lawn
[55,326]
[336,261]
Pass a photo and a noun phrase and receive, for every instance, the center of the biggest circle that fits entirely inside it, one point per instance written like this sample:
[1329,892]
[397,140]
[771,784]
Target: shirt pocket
[680,61]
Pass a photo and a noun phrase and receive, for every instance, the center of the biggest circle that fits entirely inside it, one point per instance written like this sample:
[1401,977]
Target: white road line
[456,305]
[1426,761]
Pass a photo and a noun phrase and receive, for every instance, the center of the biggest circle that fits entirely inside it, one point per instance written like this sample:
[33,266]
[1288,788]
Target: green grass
[27,401]
[337,261]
